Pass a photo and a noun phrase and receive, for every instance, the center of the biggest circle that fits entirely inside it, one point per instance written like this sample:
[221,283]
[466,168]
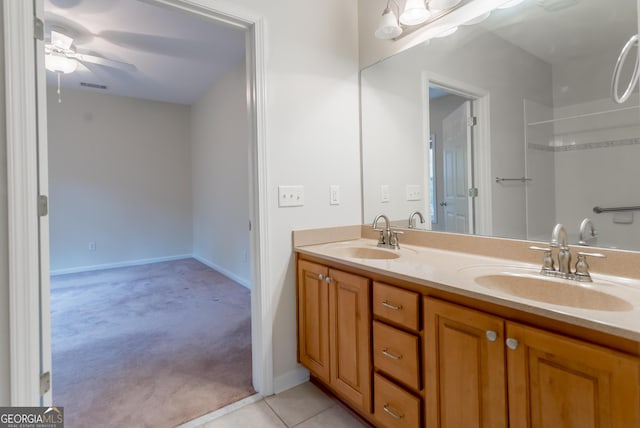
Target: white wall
[395,152]
[120,176]
[5,374]
[312,139]
[220,136]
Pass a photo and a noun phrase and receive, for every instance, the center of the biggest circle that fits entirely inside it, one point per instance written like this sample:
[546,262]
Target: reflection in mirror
[537,80]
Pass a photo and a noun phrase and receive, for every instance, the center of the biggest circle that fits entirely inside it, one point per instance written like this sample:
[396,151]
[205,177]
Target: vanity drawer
[396,353]
[393,407]
[396,305]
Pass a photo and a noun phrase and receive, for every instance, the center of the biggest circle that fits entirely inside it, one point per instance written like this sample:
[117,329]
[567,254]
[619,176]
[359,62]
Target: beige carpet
[148,346]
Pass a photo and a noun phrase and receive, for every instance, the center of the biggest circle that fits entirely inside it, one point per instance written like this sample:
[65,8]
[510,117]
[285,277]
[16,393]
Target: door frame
[480,156]
[22,171]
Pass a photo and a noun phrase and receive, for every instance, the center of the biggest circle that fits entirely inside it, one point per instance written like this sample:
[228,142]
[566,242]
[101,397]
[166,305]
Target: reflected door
[456,135]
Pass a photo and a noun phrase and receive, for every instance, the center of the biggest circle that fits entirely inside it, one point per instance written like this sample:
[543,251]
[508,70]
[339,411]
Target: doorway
[29,285]
[459,154]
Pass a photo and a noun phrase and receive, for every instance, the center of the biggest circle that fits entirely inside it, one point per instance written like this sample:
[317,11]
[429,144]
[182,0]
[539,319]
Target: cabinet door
[350,323]
[559,382]
[464,367]
[313,318]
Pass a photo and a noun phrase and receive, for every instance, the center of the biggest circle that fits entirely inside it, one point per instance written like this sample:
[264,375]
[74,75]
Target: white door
[43,191]
[456,136]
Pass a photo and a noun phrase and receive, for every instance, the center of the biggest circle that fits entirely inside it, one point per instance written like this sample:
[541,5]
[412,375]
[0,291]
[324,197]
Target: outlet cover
[414,192]
[290,196]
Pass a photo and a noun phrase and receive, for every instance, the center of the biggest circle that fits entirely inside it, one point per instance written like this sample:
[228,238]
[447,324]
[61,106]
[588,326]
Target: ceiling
[557,30]
[177,55]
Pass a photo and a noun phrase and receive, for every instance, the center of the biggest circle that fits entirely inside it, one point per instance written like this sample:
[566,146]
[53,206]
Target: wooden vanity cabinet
[550,380]
[465,379]
[556,381]
[334,322]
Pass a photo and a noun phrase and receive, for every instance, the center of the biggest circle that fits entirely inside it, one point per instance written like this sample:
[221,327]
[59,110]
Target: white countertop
[456,272]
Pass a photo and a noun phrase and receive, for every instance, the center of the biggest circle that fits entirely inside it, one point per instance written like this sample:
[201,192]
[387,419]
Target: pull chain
[58,92]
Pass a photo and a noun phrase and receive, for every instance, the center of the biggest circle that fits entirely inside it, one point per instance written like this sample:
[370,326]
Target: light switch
[290,196]
[384,193]
[334,194]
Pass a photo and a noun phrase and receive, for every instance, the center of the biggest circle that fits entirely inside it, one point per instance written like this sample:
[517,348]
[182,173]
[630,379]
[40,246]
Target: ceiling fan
[61,57]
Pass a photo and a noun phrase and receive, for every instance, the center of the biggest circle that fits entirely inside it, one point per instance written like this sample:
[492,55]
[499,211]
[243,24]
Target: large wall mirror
[508,126]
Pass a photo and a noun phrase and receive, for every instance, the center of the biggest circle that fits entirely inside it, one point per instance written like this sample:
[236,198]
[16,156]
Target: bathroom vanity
[462,331]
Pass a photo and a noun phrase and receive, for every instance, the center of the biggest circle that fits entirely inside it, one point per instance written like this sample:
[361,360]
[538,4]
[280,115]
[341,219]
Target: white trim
[204,419]
[232,276]
[22,177]
[290,379]
[22,171]
[482,142]
[128,263]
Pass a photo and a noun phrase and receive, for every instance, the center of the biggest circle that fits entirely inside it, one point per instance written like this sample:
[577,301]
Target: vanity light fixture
[388,27]
[509,4]
[415,12]
[439,5]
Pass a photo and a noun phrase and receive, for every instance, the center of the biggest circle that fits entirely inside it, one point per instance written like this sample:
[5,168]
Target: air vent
[93,85]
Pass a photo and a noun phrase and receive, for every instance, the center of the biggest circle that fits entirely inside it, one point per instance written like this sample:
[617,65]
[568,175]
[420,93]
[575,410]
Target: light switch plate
[384,193]
[334,194]
[290,196]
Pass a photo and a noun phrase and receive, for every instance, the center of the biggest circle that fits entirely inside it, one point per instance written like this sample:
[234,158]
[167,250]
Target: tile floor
[304,406]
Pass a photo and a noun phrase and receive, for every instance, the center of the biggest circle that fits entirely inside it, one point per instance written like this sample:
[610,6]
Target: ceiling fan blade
[92,59]
[60,40]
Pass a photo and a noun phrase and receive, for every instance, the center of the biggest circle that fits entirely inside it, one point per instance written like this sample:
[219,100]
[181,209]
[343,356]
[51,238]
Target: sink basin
[366,253]
[557,292]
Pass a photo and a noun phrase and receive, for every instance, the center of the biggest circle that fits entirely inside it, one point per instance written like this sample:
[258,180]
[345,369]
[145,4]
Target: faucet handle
[582,268]
[547,263]
[393,238]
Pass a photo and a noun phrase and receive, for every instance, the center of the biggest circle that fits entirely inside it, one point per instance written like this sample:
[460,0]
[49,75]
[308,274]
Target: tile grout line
[333,404]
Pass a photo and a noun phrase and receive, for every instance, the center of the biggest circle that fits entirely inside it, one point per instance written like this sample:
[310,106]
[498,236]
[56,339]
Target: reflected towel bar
[599,210]
[521,179]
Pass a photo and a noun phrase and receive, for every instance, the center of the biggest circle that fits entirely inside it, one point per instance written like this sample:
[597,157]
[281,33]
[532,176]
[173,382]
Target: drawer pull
[390,412]
[390,306]
[388,354]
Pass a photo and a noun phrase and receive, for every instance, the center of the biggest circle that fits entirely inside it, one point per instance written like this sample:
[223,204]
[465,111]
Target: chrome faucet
[588,232]
[559,240]
[388,238]
[412,223]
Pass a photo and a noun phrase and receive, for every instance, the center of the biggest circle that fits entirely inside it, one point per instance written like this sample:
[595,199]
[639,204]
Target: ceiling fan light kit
[60,64]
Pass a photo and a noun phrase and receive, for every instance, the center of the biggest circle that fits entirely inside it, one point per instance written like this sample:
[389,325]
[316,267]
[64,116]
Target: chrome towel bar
[521,179]
[599,210]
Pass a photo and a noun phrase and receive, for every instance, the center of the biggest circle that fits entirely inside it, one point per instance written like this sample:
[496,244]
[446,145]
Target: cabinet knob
[328,280]
[492,335]
[512,343]
[320,277]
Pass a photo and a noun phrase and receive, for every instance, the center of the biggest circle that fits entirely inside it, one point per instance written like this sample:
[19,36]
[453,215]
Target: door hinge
[45,382]
[473,192]
[43,205]
[472,121]
[38,29]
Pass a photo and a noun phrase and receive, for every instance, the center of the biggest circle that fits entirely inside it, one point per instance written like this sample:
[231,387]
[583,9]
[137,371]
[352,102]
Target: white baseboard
[290,379]
[119,264]
[232,276]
